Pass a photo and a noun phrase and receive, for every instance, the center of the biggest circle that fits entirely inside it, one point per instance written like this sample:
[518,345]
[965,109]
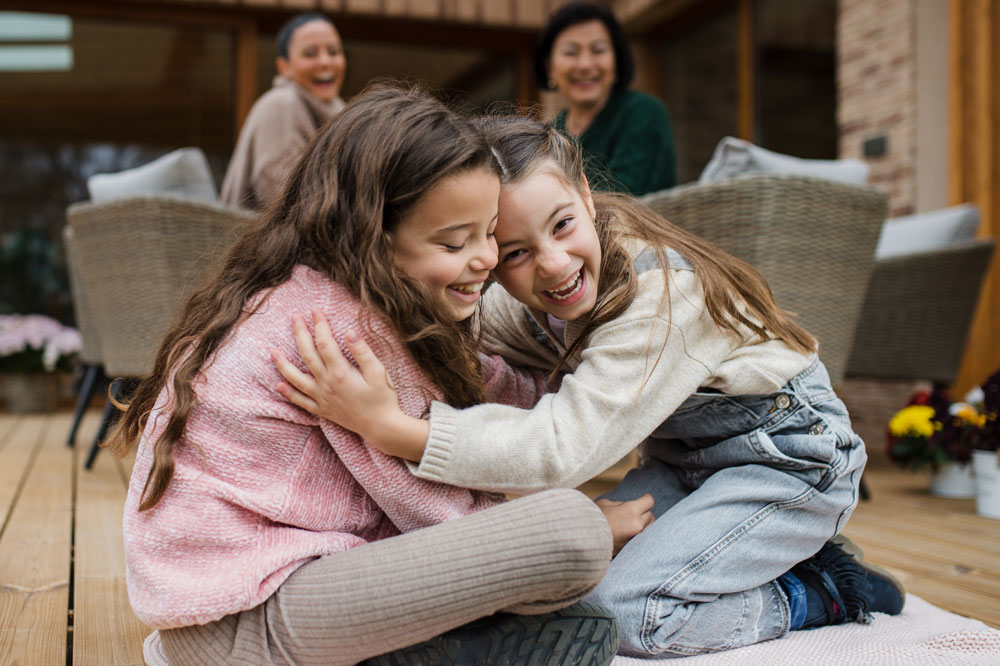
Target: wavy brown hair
[736,295]
[358,178]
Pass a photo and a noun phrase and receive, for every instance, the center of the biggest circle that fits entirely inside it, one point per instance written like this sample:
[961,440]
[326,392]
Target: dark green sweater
[630,145]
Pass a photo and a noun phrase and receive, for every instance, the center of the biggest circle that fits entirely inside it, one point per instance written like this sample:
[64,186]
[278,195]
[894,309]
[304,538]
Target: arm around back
[620,391]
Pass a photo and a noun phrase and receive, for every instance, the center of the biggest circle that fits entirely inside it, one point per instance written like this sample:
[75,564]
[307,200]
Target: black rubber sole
[583,634]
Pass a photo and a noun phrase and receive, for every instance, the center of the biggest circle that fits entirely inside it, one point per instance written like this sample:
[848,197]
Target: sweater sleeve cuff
[440,441]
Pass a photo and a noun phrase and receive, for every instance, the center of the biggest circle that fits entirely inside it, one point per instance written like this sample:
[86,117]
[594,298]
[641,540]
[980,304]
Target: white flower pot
[987,476]
[953,480]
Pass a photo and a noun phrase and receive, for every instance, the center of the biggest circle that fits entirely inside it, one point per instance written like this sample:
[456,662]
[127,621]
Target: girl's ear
[282,65]
[588,198]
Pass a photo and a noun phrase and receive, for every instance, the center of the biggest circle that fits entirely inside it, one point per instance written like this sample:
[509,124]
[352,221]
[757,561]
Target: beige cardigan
[273,137]
[620,390]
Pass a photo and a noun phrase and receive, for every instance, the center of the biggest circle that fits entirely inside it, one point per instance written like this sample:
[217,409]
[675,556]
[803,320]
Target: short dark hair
[293,24]
[571,14]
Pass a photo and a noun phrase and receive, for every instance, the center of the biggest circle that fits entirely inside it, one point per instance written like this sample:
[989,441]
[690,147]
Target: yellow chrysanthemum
[970,416]
[913,421]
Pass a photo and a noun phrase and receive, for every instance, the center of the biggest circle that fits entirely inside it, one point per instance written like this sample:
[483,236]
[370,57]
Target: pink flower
[30,335]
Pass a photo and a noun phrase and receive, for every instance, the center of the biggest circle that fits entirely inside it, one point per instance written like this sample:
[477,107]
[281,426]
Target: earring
[552,84]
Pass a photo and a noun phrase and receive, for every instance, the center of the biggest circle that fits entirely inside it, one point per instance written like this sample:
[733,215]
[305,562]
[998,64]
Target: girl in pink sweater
[257,533]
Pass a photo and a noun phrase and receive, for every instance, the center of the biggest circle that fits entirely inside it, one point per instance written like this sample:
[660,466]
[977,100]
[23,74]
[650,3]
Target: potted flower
[34,349]
[930,434]
[983,406]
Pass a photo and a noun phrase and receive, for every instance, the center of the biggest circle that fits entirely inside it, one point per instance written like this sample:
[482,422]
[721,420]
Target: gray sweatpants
[532,555]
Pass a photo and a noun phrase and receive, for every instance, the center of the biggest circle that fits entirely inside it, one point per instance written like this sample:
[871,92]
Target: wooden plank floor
[61,608]
[57,608]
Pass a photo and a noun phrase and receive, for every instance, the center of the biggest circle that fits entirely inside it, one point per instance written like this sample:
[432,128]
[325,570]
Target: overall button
[816,429]
[782,401]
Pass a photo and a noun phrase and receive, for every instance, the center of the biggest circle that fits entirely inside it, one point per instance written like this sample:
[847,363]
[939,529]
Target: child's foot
[584,633]
[835,586]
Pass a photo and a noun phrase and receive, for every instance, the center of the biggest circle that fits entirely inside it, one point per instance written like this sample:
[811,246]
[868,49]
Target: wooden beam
[108,9]
[974,126]
[648,66]
[419,32]
[526,93]
[745,71]
[247,53]
[653,13]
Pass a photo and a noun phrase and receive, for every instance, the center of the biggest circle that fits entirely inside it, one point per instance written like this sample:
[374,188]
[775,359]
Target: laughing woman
[305,94]
[625,136]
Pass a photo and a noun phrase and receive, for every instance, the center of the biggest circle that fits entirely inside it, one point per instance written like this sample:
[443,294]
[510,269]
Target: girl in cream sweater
[669,343]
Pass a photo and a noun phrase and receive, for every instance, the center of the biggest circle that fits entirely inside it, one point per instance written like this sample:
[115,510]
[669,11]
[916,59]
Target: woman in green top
[626,136]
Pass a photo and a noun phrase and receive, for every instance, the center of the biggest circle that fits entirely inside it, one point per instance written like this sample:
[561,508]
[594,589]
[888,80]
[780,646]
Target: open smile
[586,83]
[467,293]
[569,292]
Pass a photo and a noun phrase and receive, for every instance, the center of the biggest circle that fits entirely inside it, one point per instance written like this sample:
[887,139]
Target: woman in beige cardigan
[305,94]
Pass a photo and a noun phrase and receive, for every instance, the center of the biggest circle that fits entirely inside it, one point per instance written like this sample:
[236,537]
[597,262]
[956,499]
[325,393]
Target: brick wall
[877,92]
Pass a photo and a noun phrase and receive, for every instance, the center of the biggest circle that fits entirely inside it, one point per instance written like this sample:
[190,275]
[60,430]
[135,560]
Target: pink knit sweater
[260,486]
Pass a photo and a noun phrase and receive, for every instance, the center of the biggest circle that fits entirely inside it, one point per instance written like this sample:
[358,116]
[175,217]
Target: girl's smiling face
[446,240]
[550,255]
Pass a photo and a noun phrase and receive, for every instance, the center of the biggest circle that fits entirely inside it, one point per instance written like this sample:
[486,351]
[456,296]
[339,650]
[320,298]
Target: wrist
[401,436]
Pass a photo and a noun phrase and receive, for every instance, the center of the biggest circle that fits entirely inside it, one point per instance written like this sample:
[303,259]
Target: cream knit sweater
[261,486]
[622,386]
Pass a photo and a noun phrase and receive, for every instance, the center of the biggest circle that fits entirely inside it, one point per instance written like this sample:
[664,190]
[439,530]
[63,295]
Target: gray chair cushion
[735,157]
[183,172]
[927,231]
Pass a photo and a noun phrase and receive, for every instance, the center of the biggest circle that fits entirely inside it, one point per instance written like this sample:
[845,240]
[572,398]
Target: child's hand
[627,518]
[359,401]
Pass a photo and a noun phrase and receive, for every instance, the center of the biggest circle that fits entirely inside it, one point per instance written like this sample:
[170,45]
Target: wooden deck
[62,588]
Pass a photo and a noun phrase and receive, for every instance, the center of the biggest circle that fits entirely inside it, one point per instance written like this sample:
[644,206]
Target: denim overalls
[745,487]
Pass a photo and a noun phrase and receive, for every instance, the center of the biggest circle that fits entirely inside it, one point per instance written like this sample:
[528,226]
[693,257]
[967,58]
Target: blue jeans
[745,488]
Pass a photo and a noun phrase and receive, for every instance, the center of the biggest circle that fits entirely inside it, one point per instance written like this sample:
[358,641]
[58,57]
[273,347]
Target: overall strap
[648,261]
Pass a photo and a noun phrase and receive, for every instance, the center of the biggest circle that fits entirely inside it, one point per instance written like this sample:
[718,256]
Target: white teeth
[468,288]
[575,284]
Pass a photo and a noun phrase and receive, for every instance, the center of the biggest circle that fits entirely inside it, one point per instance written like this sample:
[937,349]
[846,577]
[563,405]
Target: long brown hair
[358,178]
[736,295]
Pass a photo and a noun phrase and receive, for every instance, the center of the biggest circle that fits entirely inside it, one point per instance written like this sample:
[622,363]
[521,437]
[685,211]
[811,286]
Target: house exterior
[907,85]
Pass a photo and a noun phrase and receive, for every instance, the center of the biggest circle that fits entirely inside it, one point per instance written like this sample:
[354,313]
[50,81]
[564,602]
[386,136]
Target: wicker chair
[812,240]
[90,352]
[917,313]
[138,259]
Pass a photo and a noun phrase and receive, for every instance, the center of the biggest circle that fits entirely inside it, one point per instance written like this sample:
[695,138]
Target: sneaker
[848,588]
[583,634]
[887,590]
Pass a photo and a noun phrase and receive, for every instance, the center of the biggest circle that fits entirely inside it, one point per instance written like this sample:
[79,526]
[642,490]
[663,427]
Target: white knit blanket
[922,634]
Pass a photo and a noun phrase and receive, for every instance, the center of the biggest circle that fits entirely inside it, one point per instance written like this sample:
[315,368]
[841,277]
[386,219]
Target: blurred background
[106,85]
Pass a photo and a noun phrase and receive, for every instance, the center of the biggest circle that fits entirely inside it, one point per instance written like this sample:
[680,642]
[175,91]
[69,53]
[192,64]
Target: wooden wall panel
[975,160]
